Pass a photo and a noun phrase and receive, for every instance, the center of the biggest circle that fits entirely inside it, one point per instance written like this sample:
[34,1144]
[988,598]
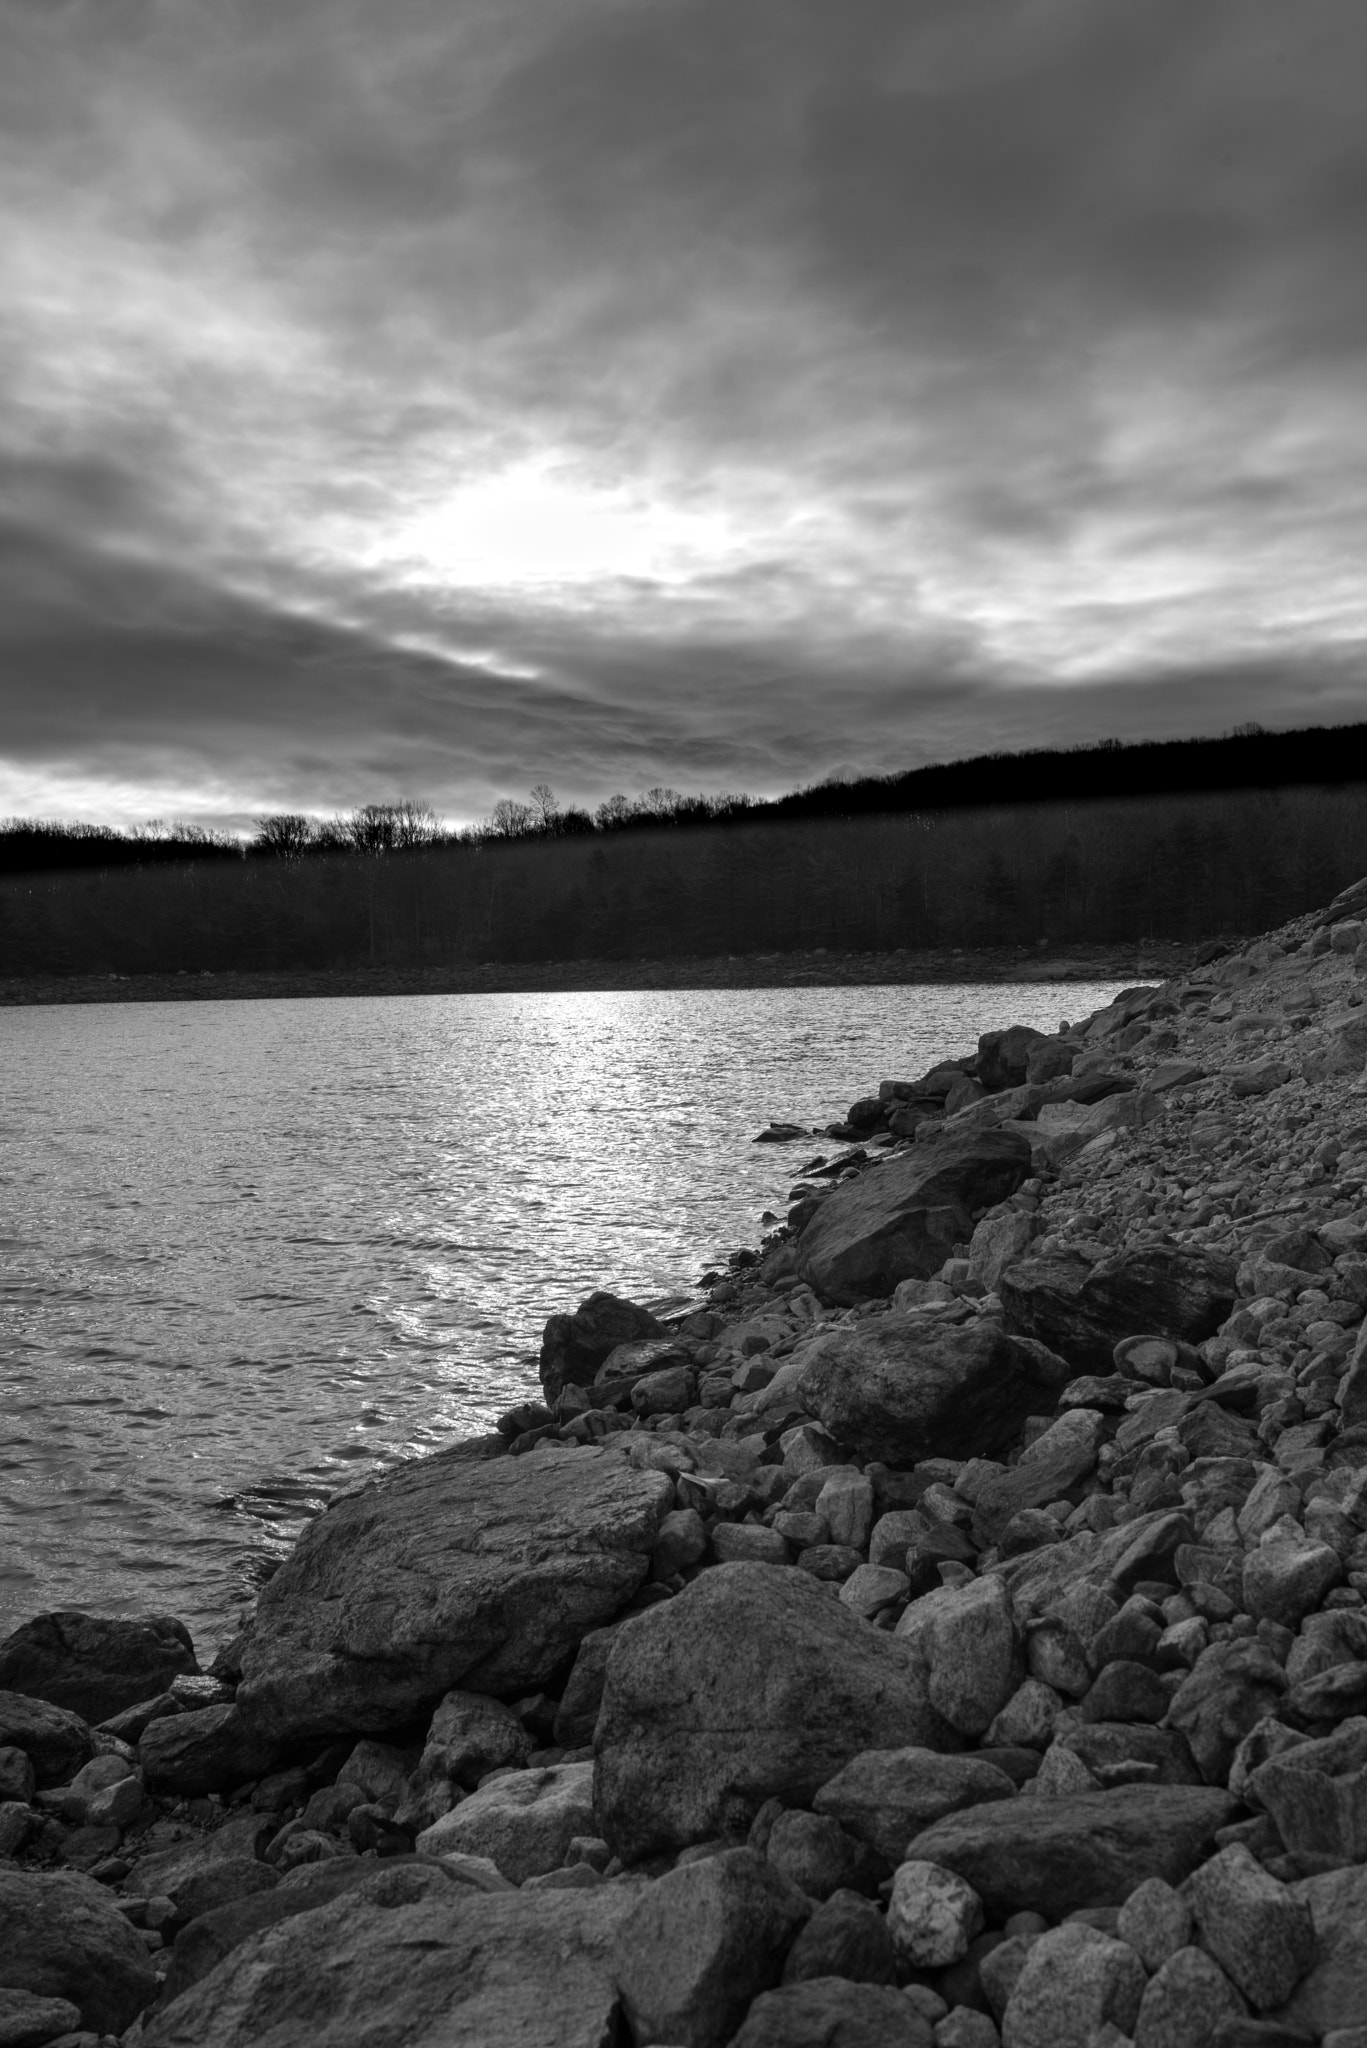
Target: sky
[430,398]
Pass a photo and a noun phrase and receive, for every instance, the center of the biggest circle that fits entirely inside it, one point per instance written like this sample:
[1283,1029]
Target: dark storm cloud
[439,396]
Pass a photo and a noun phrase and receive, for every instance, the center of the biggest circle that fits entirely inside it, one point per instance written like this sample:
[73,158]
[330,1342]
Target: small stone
[846,1500]
[1184,2002]
[872,1587]
[932,1915]
[1075,1979]
[846,1937]
[748,1543]
[965,2028]
[18,1779]
[998,1972]
[885,1796]
[832,1561]
[967,1638]
[1286,1577]
[1062,1774]
[814,1852]
[700,1944]
[1316,1792]
[1156,1921]
[1056,1655]
[1027,1720]
[28,2019]
[1126,1691]
[816,2012]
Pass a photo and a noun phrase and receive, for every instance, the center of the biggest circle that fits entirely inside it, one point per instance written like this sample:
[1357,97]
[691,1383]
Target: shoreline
[959,1624]
[816,969]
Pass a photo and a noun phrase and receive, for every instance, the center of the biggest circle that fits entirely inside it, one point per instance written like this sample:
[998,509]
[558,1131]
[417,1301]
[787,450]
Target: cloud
[439,396]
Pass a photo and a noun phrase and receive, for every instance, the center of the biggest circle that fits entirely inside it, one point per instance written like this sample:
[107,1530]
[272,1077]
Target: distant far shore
[818,969]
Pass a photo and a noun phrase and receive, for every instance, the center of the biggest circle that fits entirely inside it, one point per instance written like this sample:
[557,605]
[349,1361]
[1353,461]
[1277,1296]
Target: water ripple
[249,1251]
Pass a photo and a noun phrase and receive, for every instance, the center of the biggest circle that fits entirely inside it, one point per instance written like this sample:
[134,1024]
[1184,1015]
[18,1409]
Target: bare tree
[511,820]
[547,805]
[284,835]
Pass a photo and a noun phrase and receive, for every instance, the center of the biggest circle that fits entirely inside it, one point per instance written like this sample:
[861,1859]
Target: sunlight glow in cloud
[433,396]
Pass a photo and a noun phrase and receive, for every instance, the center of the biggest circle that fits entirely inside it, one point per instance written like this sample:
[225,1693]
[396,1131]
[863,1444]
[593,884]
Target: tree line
[1246,758]
[1109,871]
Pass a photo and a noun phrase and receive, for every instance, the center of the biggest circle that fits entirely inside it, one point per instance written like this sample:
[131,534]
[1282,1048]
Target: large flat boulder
[1053,1856]
[447,1572]
[93,1665]
[901,1221]
[412,1955]
[751,1684]
[62,1936]
[901,1387]
[1083,1310]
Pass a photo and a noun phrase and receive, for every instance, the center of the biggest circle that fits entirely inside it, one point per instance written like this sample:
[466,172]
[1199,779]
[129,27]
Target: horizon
[442,400]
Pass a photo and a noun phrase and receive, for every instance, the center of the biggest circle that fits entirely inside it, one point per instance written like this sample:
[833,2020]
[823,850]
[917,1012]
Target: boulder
[828,2012]
[885,1797]
[1316,1792]
[1229,1688]
[27,2020]
[574,1346]
[1056,1461]
[92,1666]
[210,1750]
[1075,1982]
[1187,2001]
[846,1937]
[1052,1856]
[1083,1310]
[969,1650]
[1333,1992]
[411,1954]
[55,1741]
[901,1220]
[816,1854]
[523,1821]
[201,1945]
[997,1242]
[1259,1933]
[896,1389]
[750,1684]
[1004,1056]
[1087,1564]
[700,1943]
[447,1572]
[470,1734]
[65,1938]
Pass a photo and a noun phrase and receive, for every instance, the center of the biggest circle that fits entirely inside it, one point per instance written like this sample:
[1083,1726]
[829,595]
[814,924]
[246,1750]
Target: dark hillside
[1118,871]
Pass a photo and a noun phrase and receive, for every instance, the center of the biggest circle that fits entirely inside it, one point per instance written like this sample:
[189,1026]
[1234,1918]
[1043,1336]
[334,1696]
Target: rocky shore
[954,1634]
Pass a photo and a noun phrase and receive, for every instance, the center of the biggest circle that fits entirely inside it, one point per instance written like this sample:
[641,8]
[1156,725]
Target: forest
[1246,758]
[1106,870]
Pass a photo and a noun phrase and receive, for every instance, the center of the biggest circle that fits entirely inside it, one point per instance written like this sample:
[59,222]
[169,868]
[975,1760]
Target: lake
[252,1250]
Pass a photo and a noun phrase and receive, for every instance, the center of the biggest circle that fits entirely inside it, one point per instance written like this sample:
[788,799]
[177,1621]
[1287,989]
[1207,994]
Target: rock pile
[954,1635]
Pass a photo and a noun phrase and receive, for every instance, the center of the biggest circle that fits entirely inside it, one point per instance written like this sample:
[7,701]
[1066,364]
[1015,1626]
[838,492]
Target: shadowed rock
[752,1684]
[896,1389]
[92,1666]
[1083,1310]
[574,1346]
[412,1955]
[1053,1856]
[901,1221]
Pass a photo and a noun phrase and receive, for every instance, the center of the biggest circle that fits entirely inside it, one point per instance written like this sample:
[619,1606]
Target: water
[250,1250]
